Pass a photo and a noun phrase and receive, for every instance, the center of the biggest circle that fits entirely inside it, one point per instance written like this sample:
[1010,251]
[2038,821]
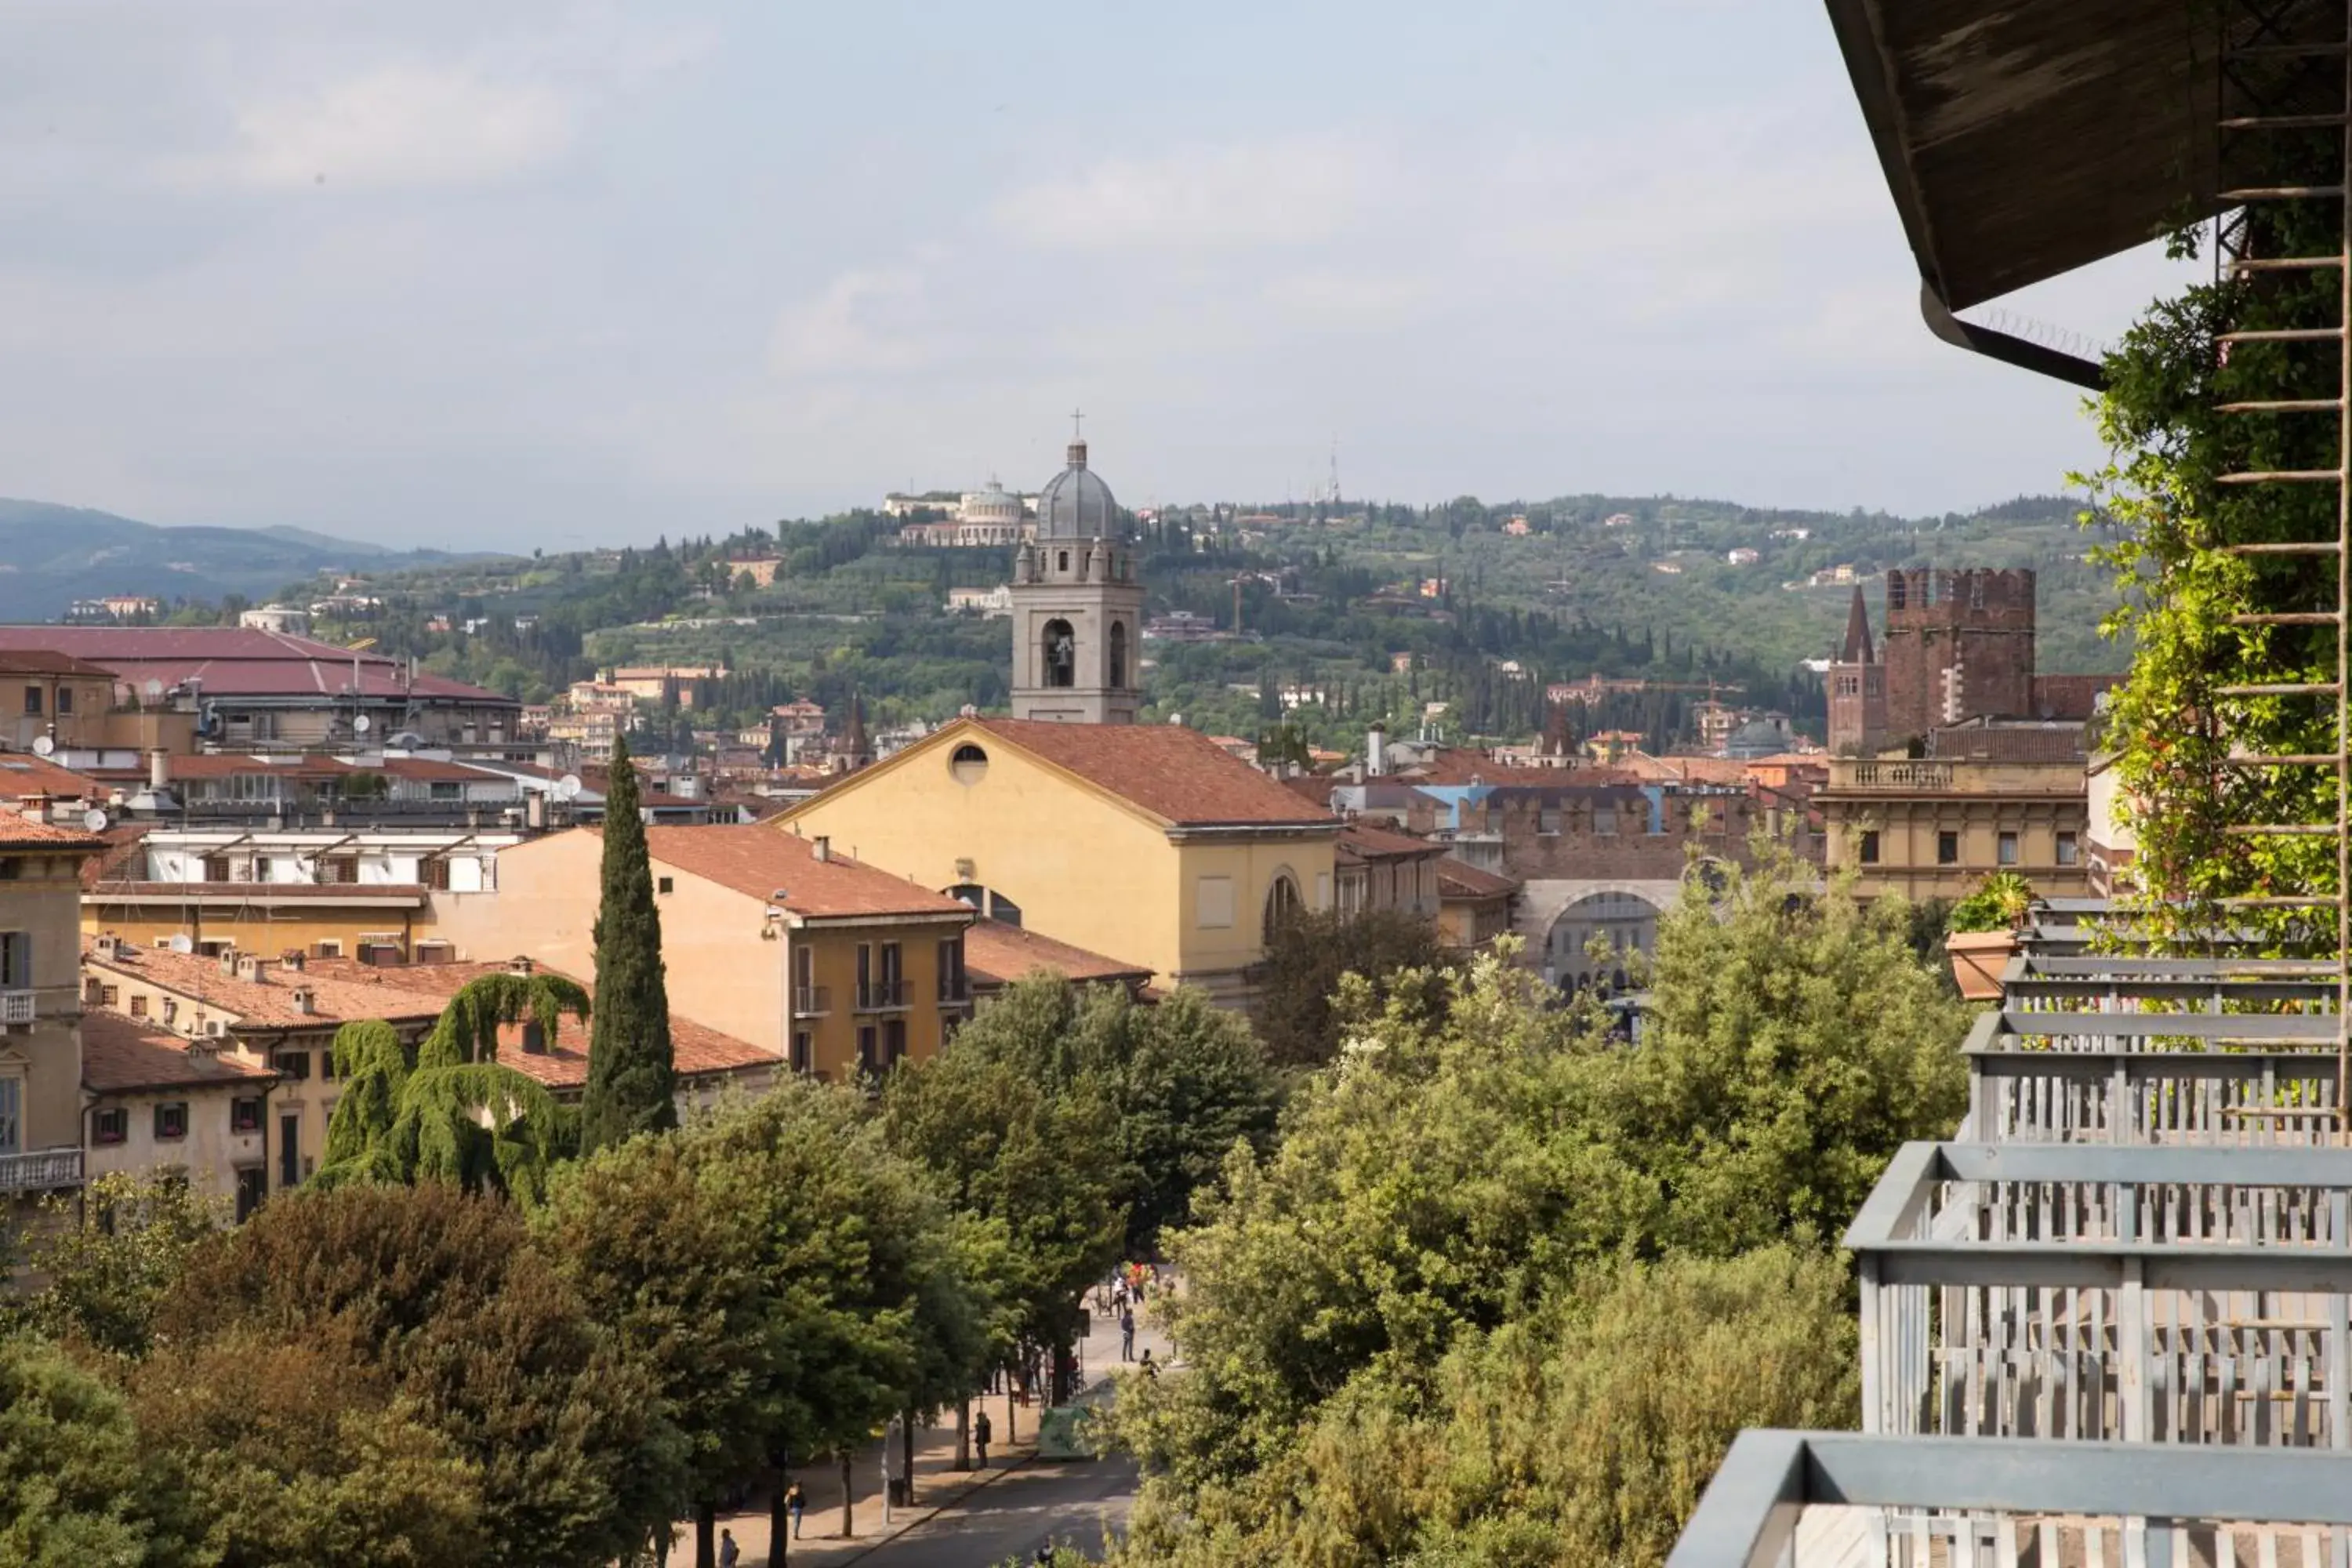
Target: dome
[1077,504]
[995,504]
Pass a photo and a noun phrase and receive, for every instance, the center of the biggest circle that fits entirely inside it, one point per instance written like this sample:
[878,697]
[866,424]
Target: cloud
[1277,193]
[400,125]
[860,322]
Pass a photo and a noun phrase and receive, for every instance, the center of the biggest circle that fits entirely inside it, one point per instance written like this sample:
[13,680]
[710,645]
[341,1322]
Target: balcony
[811,1000]
[18,1007]
[955,993]
[40,1170]
[882,996]
[1897,775]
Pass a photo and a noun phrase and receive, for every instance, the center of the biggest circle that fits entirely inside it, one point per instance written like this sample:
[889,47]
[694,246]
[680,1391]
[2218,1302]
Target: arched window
[1282,900]
[1061,651]
[1063,557]
[1117,655]
[994,906]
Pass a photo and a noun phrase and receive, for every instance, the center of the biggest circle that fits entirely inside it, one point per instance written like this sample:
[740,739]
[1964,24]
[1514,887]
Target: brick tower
[1958,645]
[1857,688]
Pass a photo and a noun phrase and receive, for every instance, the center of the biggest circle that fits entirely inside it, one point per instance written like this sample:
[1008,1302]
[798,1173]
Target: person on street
[1127,1335]
[980,1432]
[1151,1367]
[729,1553]
[795,1505]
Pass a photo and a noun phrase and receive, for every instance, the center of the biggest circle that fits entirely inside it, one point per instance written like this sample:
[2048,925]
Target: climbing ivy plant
[446,1109]
[2161,492]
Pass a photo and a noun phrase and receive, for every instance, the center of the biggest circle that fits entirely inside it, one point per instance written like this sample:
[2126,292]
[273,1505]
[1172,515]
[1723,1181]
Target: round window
[969,764]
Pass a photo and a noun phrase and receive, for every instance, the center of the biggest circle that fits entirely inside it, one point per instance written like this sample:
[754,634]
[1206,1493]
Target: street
[1069,1502]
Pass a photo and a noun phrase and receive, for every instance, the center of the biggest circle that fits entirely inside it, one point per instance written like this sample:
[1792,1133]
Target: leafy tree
[631,1078]
[447,1108]
[442,1295]
[108,1254]
[292,1452]
[1307,955]
[1580,1432]
[73,1487]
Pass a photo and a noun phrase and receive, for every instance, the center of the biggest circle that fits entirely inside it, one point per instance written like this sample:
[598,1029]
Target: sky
[552,273]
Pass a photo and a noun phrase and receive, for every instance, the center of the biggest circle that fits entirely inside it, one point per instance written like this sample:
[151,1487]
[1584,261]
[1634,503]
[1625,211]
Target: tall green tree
[73,1487]
[632,1074]
[1307,955]
[105,1255]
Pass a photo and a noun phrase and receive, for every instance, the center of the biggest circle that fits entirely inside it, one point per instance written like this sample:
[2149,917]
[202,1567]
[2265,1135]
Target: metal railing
[882,996]
[1899,775]
[811,1000]
[41,1169]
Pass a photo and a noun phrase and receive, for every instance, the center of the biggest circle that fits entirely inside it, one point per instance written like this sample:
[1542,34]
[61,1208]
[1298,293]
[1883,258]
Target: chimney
[820,848]
[1376,751]
[228,960]
[518,964]
[248,967]
[293,958]
[303,1000]
[105,945]
[159,769]
[35,806]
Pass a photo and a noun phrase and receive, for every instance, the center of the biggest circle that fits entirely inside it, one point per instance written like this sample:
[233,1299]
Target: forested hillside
[1344,613]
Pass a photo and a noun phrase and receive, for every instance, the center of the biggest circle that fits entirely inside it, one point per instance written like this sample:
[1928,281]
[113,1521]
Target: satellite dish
[362,724]
[94,819]
[568,787]
[43,745]
[183,942]
[153,688]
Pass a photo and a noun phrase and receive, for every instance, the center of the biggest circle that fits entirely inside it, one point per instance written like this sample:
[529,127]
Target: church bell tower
[1077,606]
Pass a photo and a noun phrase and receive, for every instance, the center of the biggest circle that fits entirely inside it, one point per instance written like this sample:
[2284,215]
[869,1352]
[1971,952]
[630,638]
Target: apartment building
[41,1009]
[1935,828]
[157,1102]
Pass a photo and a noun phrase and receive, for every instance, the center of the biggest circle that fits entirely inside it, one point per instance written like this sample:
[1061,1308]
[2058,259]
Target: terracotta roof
[1686,770]
[994,953]
[697,1050]
[1361,841]
[1458,766]
[120,1055]
[21,773]
[1457,880]
[340,992]
[1179,775]
[126,848]
[239,661]
[757,861]
[49,661]
[254,892]
[19,832]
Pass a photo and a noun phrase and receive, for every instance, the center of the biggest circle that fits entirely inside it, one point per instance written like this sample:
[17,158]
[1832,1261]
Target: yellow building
[1935,829]
[832,965]
[41,1009]
[1144,840]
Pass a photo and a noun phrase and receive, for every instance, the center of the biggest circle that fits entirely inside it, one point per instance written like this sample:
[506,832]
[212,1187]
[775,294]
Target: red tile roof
[126,850]
[758,860]
[1457,880]
[20,832]
[121,1055]
[1362,841]
[1178,775]
[697,1050]
[49,662]
[239,662]
[378,894]
[341,992]
[997,954]
[21,773]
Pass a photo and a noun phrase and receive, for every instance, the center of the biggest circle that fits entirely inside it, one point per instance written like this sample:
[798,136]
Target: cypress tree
[631,1079]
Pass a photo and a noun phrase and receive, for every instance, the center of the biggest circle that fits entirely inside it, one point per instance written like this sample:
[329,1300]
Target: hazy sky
[552,271]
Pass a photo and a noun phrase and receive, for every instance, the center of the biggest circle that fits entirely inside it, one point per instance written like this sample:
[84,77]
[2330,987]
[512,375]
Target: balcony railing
[41,1169]
[18,1007]
[811,1000]
[954,993]
[881,996]
[1902,775]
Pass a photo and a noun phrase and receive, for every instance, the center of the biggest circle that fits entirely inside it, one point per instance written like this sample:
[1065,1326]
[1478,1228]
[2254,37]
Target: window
[1059,647]
[1004,910]
[1548,821]
[245,1116]
[866,1048]
[32,701]
[434,873]
[327,1060]
[112,1126]
[65,700]
[534,1038]
[2067,852]
[1868,848]
[139,1007]
[447,790]
[953,987]
[109,996]
[1118,654]
[171,1120]
[1604,821]
[664,884]
[2005,846]
[1282,900]
[171,1011]
[15,960]
[217,868]
[894,1041]
[12,1114]
[293,1066]
[333,948]
[968,766]
[804,1050]
[1214,903]
[289,1149]
[1948,848]
[1063,563]
[340,870]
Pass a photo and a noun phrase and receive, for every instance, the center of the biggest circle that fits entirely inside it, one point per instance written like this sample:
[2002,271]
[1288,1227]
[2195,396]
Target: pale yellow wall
[1084,868]
[1908,835]
[208,1156]
[41,898]
[834,965]
[265,933]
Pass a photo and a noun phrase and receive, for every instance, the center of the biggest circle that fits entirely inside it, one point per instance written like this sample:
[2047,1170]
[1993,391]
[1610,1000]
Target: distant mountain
[51,555]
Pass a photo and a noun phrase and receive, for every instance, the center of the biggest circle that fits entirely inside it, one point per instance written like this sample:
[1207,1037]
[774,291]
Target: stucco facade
[41,1009]
[1930,829]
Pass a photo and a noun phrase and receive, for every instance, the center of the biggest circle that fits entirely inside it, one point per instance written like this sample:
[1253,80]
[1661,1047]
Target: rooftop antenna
[1335,471]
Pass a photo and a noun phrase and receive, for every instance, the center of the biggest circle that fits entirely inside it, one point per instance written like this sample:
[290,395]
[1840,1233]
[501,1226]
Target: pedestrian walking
[729,1553]
[795,1505]
[980,1432]
[1127,1335]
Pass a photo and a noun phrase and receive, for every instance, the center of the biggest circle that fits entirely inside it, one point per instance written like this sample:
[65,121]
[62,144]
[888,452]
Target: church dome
[1077,504]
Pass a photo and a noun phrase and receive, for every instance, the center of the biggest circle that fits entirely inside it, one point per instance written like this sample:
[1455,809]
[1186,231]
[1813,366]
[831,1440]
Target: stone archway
[1625,914]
